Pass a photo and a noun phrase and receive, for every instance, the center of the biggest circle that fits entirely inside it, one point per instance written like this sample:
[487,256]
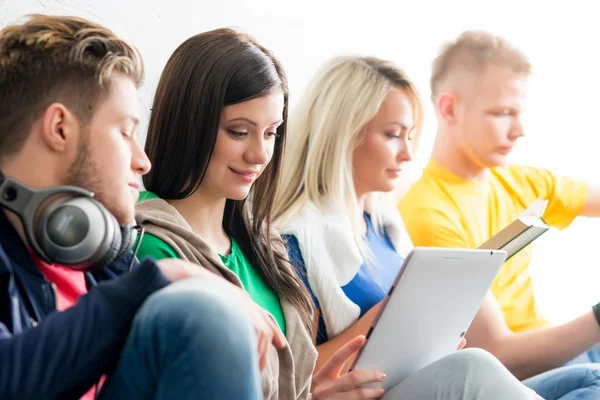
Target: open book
[521,232]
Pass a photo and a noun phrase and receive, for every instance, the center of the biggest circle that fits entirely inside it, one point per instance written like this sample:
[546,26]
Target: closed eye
[238,134]
[503,112]
[403,134]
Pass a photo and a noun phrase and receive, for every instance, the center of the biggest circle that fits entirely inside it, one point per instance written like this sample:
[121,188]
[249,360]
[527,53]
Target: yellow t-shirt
[444,210]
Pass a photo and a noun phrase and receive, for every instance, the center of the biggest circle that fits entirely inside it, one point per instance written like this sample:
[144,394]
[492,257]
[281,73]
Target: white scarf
[332,258]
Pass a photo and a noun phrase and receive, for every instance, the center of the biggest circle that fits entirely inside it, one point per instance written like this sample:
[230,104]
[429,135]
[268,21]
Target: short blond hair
[50,59]
[472,52]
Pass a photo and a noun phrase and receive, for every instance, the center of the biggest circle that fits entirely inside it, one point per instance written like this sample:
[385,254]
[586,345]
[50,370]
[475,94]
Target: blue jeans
[590,356]
[572,382]
[187,342]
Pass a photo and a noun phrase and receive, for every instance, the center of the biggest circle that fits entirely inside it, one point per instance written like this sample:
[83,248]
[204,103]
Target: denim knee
[192,307]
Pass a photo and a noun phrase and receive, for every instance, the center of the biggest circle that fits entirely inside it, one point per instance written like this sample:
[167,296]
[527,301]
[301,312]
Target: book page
[535,209]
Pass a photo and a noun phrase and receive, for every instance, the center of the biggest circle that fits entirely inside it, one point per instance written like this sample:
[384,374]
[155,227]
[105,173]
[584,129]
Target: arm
[529,353]
[327,349]
[69,351]
[567,197]
[591,207]
[332,346]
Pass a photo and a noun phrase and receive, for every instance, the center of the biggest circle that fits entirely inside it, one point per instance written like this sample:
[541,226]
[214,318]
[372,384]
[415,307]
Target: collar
[14,247]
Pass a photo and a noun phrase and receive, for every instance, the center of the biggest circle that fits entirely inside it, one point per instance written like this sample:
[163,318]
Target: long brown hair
[206,73]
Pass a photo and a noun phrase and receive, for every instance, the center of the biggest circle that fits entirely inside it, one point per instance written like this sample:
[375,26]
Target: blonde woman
[350,136]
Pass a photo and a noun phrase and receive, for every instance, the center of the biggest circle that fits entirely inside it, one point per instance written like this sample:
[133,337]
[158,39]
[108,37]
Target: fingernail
[381,391]
[382,377]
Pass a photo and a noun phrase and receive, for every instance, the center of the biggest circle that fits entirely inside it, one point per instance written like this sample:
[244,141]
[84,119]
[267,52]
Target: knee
[474,361]
[193,308]
[587,375]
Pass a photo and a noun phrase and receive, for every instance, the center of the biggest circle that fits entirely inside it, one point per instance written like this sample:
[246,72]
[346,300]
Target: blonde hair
[48,59]
[471,53]
[324,130]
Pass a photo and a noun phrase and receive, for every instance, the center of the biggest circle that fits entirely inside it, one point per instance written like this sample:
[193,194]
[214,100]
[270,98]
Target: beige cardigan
[289,371]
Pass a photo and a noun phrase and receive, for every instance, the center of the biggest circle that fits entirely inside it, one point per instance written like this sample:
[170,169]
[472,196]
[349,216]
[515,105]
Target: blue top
[370,284]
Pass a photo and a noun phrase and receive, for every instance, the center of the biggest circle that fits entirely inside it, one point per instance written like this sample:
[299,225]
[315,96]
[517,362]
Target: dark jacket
[45,354]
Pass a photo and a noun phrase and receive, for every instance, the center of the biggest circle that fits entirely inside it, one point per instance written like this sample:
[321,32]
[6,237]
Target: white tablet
[428,309]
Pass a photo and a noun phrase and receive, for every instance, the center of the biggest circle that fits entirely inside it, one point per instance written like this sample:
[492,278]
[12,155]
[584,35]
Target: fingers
[267,332]
[463,343]
[352,380]
[350,386]
[334,365]
[357,394]
[263,350]
[278,340]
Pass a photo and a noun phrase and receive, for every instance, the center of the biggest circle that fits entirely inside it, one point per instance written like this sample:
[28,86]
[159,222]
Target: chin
[386,187]
[123,213]
[498,161]
[238,195]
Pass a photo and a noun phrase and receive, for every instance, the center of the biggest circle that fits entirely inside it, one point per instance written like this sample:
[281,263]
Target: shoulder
[425,194]
[522,174]
[308,220]
[321,237]
[154,247]
[425,201]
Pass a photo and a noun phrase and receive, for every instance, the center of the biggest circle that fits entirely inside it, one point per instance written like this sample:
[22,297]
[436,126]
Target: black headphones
[72,230]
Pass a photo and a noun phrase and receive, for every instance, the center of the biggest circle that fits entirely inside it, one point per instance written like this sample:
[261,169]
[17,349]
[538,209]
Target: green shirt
[256,286]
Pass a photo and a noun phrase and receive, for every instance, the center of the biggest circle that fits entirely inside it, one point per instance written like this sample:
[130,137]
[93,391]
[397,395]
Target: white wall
[561,39]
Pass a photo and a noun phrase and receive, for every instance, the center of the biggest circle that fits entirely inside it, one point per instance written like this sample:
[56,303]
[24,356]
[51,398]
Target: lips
[505,150]
[135,185]
[246,173]
[246,176]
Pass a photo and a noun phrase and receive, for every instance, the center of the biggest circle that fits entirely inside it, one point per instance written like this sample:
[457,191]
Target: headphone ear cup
[127,240]
[78,233]
[115,243]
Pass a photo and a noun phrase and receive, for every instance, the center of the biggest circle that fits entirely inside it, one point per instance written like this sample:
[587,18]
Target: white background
[561,39]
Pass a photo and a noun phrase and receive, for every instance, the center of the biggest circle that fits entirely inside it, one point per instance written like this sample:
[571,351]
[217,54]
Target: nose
[404,153]
[140,162]
[259,150]
[517,130]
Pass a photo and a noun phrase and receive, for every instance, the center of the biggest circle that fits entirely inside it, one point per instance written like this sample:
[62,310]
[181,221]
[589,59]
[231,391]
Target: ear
[446,105]
[60,128]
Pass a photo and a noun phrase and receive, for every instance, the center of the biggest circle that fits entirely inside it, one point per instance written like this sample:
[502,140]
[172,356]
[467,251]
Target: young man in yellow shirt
[468,193]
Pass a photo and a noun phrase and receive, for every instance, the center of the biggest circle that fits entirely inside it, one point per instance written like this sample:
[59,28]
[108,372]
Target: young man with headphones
[77,310]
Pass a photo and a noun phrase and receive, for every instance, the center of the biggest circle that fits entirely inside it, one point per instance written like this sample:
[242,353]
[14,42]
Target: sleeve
[296,258]
[428,227]
[566,196]
[63,356]
[155,248]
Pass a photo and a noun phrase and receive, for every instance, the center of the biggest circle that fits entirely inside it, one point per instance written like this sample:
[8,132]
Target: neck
[21,168]
[205,213]
[450,156]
